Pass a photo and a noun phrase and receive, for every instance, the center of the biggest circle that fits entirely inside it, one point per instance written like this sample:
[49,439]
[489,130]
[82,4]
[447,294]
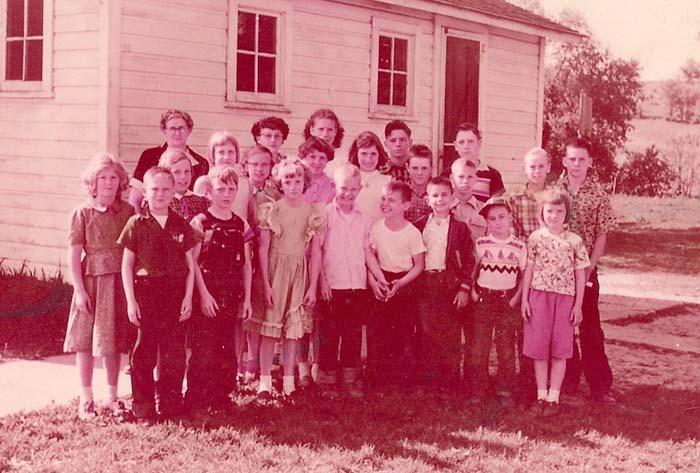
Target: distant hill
[656,131]
[654,103]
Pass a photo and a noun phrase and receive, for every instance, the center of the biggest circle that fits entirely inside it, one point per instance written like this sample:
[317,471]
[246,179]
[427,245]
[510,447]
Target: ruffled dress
[291,229]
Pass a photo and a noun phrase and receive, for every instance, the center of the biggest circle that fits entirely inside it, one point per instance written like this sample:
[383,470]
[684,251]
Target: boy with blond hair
[465,205]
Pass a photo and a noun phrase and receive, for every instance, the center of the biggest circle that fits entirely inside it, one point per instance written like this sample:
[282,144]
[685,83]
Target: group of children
[291,256]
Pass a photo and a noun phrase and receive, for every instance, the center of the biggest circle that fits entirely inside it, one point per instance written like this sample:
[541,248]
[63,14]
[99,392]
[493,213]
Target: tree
[684,156]
[647,174]
[683,92]
[612,83]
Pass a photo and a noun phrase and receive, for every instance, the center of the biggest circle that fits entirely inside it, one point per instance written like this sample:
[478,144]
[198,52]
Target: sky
[660,34]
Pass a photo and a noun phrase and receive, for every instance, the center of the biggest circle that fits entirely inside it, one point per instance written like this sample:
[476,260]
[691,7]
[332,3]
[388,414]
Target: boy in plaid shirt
[419,165]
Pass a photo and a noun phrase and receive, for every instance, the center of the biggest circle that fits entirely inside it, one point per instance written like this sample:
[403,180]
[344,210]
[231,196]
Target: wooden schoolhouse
[77,76]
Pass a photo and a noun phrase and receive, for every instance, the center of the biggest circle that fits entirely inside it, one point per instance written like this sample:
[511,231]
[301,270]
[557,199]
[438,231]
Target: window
[393,66]
[257,66]
[25,49]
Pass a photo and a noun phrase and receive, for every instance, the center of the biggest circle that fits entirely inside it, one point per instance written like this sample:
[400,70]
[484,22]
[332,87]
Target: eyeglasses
[272,136]
[176,129]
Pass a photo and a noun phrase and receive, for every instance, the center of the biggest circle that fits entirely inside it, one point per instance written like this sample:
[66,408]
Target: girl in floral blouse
[552,296]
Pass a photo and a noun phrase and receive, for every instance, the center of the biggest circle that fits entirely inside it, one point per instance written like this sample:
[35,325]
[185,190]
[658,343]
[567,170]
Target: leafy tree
[684,156]
[683,92]
[647,174]
[612,83]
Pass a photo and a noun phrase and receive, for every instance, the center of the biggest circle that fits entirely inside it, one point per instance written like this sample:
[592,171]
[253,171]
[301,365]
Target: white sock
[541,394]
[553,395]
[304,369]
[288,384]
[314,371]
[86,393]
[265,383]
[113,394]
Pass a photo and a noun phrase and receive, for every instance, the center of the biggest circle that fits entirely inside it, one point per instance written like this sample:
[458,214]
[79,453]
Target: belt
[482,291]
[435,271]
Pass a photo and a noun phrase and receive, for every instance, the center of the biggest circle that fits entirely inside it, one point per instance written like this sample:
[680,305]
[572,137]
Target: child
[419,166]
[468,146]
[286,226]
[401,254]
[271,132]
[500,257]
[316,154]
[344,246]
[185,202]
[444,287]
[367,153]
[324,124]
[158,277]
[223,278]
[398,141]
[552,297]
[97,324]
[465,206]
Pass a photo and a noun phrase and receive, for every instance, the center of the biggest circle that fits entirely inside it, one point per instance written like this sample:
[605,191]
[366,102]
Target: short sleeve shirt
[160,251]
[488,182]
[396,249]
[468,212]
[555,258]
[321,190]
[435,240]
[523,206]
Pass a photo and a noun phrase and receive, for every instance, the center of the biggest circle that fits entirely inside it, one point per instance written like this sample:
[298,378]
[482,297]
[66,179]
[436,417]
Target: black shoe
[537,408]
[603,398]
[551,409]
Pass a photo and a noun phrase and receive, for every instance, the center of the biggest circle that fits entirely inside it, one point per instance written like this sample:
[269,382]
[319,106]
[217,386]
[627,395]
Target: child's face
[498,220]
[536,168]
[397,143]
[346,190]
[463,179]
[271,139]
[577,161]
[258,166]
[107,184]
[324,128]
[439,199]
[316,162]
[222,193]
[293,187]
[392,204]
[554,216]
[368,158]
[159,193]
[468,146]
[225,155]
[176,133]
[182,172]
[419,170]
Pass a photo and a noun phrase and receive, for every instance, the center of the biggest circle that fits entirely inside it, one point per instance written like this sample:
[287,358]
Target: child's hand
[475,295]
[461,299]
[576,315]
[310,297]
[375,289]
[525,310]
[185,309]
[384,286]
[246,310]
[208,305]
[134,313]
[267,296]
[326,293]
[394,288]
[514,301]
[82,300]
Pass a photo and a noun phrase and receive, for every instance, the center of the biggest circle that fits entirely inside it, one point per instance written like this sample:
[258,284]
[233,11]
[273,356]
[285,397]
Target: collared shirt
[159,251]
[488,182]
[189,205]
[419,206]
[468,212]
[435,240]
[321,190]
[397,173]
[343,241]
[592,215]
[554,259]
[524,208]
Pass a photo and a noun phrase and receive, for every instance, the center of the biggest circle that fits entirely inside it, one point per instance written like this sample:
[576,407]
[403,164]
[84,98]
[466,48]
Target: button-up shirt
[435,240]
[419,205]
[468,212]
[524,208]
[320,191]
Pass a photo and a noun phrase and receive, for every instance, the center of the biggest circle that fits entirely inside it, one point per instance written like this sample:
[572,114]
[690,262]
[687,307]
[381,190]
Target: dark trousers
[211,375]
[591,359]
[494,319]
[388,330]
[341,323]
[526,387]
[438,329]
[160,331]
[467,318]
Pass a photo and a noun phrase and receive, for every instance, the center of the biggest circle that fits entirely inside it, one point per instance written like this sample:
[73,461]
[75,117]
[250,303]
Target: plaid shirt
[592,214]
[397,173]
[419,206]
[189,205]
[523,206]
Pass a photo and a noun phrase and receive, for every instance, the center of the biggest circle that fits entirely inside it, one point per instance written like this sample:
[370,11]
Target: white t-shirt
[396,249]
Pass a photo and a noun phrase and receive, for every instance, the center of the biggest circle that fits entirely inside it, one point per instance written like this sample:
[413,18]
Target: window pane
[34,59]
[266,74]
[400,54]
[399,92]
[246,31]
[15,58]
[15,18]
[384,52]
[35,18]
[384,88]
[245,73]
[267,34]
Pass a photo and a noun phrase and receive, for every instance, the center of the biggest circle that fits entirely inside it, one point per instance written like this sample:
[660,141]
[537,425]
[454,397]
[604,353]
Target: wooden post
[586,114]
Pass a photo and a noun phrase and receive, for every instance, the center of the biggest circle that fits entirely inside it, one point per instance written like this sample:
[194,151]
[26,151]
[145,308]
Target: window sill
[261,106]
[27,94]
[389,115]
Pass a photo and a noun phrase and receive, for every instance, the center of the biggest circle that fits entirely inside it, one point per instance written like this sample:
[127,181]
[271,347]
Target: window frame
[393,29]
[260,100]
[23,88]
